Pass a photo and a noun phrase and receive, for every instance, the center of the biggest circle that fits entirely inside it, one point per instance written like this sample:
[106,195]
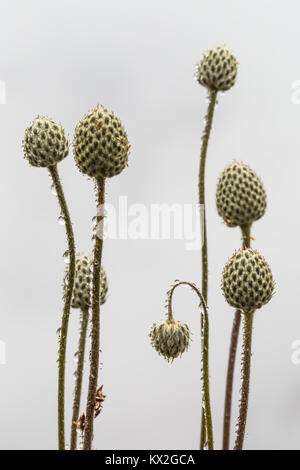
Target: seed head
[170,338]
[101,145]
[45,143]
[241,197]
[82,283]
[217,70]
[247,281]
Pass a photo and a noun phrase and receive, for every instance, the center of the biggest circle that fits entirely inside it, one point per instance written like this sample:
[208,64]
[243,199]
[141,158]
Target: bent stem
[79,374]
[246,237]
[201,185]
[246,366]
[67,306]
[205,357]
[95,333]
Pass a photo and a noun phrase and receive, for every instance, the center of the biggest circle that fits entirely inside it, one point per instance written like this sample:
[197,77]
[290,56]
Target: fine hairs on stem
[246,237]
[82,301]
[241,200]
[104,157]
[205,356]
[45,144]
[229,378]
[205,138]
[217,72]
[78,375]
[246,367]
[247,284]
[67,306]
[95,333]
[208,124]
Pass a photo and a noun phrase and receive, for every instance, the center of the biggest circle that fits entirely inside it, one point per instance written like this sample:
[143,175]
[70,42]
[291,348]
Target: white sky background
[61,58]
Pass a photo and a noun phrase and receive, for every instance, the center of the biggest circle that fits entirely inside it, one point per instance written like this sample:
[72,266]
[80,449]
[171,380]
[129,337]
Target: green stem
[67,306]
[205,138]
[246,236]
[95,333]
[229,379]
[246,366]
[79,374]
[205,357]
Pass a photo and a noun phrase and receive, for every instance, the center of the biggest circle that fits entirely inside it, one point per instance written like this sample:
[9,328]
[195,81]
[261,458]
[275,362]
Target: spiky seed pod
[170,338]
[247,281]
[45,143]
[101,145]
[241,197]
[217,70]
[82,284]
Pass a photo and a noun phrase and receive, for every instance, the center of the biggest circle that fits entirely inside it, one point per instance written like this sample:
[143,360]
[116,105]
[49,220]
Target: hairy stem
[246,366]
[79,374]
[205,357]
[229,379]
[205,138]
[67,306]
[246,236]
[95,333]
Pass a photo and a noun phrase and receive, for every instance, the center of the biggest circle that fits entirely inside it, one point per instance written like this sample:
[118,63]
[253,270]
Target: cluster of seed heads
[241,197]
[45,143]
[101,145]
[170,338]
[217,70]
[247,281]
[82,284]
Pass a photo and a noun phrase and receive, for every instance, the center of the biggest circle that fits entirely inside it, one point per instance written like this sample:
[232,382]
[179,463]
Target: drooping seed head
[241,197]
[247,281]
[170,338]
[83,283]
[101,145]
[217,70]
[45,143]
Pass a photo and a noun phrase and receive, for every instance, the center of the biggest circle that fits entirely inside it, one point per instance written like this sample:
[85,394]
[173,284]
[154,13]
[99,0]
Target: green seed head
[82,284]
[247,281]
[101,145]
[241,197]
[45,143]
[170,338]
[218,69]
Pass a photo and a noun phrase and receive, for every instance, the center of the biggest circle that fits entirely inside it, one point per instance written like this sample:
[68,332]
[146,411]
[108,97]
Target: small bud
[241,197]
[170,338]
[247,281]
[217,70]
[45,143]
[101,145]
[83,283]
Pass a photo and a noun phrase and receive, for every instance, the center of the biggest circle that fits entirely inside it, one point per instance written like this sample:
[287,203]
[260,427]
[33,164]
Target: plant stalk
[246,367]
[229,380]
[79,375]
[67,306]
[205,138]
[205,358]
[95,333]
[246,237]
